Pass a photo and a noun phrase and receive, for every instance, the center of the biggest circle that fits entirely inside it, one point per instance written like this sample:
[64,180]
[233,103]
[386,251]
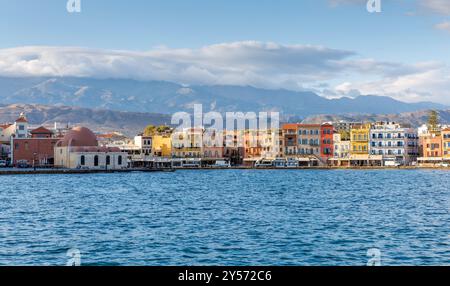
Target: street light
[34,161]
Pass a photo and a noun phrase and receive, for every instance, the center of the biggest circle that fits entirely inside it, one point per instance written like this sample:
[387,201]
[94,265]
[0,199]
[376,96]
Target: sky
[333,47]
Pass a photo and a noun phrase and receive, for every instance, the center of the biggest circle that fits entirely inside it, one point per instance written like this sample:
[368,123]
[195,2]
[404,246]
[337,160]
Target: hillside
[414,118]
[129,123]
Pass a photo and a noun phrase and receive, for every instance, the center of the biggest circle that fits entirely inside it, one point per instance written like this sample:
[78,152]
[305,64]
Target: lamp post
[34,161]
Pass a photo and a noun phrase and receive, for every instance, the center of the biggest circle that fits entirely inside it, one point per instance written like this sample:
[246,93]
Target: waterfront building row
[292,145]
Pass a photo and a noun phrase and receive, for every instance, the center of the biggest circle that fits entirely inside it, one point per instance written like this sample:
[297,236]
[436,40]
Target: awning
[430,159]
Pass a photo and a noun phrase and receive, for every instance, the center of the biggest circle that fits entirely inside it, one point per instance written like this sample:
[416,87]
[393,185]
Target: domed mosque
[79,149]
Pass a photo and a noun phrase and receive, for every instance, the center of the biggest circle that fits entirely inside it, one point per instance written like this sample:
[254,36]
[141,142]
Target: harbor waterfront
[227,217]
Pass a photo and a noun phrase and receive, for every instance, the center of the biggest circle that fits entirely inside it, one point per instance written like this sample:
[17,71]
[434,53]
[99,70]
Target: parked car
[3,164]
[23,164]
[222,164]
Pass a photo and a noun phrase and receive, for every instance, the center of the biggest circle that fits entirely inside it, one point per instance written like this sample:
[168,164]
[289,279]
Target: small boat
[264,163]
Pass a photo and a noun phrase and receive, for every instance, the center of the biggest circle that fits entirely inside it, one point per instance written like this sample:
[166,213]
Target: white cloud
[437,6]
[428,85]
[267,65]
[444,26]
[229,63]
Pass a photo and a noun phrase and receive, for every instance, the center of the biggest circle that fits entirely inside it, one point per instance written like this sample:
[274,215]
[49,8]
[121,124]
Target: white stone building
[341,147]
[395,143]
[79,149]
[18,129]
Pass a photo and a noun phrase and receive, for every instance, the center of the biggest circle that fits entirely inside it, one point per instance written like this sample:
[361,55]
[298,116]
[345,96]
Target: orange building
[430,149]
[326,141]
[290,139]
[432,146]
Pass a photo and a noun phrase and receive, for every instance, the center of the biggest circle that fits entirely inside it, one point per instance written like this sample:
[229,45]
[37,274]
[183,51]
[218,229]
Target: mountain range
[129,123]
[167,97]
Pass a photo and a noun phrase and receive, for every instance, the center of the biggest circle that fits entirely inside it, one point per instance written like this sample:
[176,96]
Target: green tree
[433,120]
[162,129]
[150,130]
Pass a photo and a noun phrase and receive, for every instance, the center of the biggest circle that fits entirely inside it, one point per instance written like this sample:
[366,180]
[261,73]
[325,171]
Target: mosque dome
[79,137]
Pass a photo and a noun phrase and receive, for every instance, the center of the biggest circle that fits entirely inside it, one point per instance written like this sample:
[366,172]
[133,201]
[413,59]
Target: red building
[35,151]
[326,140]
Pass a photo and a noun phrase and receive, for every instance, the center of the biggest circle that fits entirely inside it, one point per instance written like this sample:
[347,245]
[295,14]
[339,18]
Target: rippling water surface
[229,217]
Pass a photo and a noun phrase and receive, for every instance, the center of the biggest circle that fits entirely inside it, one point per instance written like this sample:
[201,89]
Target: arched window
[96,161]
[108,160]
[119,159]
[83,160]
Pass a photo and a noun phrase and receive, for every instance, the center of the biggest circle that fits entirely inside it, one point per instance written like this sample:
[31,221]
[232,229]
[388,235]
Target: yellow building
[187,143]
[162,146]
[359,139]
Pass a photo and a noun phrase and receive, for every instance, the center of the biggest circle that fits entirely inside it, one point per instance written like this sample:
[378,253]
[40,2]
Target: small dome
[79,137]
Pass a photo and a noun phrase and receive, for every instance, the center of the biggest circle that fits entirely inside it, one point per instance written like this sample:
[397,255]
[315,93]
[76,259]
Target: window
[95,160]
[83,160]
[108,160]
[120,160]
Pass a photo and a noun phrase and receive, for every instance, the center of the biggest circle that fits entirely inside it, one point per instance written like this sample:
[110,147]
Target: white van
[222,164]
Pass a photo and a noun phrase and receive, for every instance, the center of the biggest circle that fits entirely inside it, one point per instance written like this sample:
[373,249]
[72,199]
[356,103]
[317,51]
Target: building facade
[162,145]
[430,149]
[308,141]
[359,139]
[396,144]
[341,147]
[187,143]
[79,149]
[326,138]
[36,151]
[446,144]
[18,129]
[290,139]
